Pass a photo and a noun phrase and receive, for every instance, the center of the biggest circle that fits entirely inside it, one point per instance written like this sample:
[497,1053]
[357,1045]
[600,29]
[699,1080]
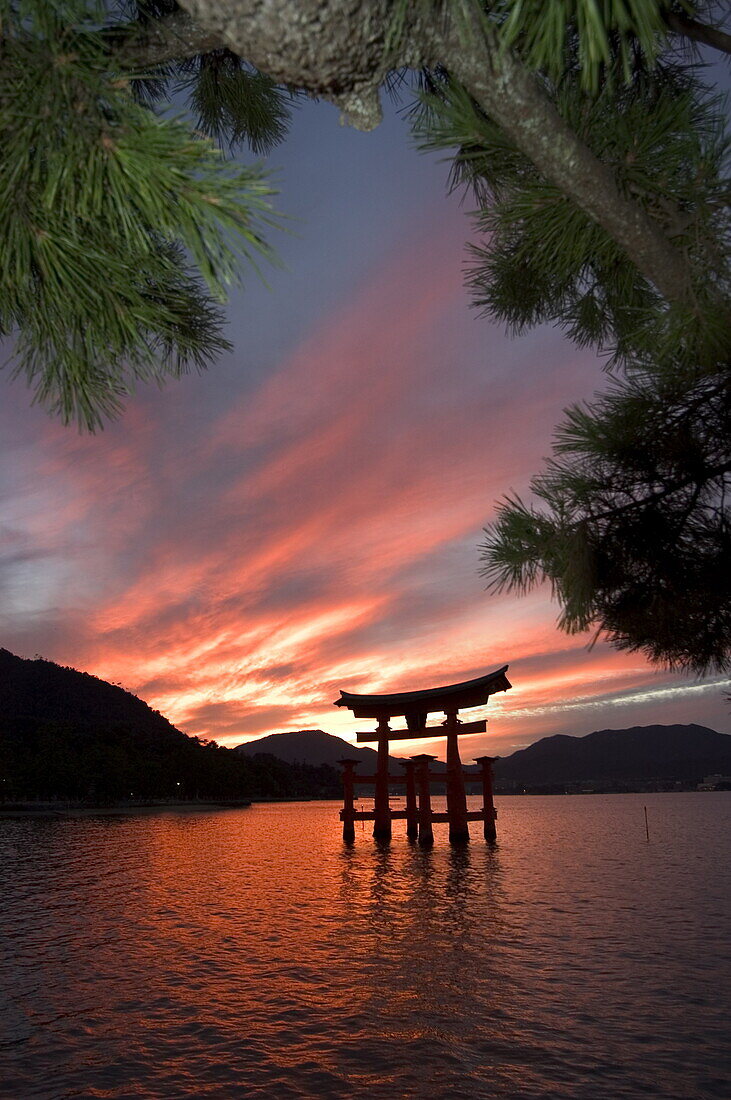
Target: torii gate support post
[426,830]
[488,806]
[459,832]
[348,814]
[412,813]
[382,810]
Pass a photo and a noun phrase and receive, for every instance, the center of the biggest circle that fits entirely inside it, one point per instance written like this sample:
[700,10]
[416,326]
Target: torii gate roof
[470,693]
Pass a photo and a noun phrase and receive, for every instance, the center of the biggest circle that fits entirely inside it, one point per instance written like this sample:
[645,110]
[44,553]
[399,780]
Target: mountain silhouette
[67,735]
[682,753]
[318,747]
[43,690]
[676,753]
[312,747]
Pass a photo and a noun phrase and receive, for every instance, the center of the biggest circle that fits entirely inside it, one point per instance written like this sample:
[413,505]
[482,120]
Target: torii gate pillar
[426,832]
[459,832]
[412,813]
[382,816]
[348,814]
[488,806]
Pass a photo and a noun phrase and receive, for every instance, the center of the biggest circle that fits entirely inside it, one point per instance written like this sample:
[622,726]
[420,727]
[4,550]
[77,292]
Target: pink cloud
[322,532]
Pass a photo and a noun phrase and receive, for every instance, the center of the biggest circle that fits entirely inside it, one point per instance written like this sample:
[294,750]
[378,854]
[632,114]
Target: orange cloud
[322,532]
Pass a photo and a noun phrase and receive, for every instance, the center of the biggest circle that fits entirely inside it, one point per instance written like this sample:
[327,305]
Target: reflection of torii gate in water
[415,706]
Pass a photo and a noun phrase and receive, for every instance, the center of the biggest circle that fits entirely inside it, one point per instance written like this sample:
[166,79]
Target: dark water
[248,954]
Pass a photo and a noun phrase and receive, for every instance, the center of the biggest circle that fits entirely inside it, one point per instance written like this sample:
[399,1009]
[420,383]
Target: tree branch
[660,494]
[160,41]
[699,32]
[513,97]
[336,49]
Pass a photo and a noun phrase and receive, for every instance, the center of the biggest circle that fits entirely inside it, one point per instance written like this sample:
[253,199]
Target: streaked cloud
[236,566]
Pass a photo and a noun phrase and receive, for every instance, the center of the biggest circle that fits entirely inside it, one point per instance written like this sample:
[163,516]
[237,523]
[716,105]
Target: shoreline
[131,809]
[62,810]
[122,809]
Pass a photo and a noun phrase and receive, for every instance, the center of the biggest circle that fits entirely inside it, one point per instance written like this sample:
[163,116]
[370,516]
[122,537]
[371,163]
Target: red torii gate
[414,706]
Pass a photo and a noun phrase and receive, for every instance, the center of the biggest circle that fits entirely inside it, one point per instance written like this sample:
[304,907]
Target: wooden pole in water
[348,814]
[488,805]
[426,830]
[412,813]
[459,832]
[647,827]
[382,810]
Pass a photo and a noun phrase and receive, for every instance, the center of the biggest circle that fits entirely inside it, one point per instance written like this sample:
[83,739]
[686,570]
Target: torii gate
[415,706]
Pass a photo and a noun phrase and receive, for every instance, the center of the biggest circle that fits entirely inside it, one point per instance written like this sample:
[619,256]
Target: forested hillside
[66,734]
[679,753]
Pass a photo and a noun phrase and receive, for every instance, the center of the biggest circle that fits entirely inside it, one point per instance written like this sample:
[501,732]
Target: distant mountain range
[616,758]
[67,734]
[672,753]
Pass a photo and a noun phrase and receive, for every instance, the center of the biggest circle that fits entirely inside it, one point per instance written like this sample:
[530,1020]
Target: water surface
[248,953]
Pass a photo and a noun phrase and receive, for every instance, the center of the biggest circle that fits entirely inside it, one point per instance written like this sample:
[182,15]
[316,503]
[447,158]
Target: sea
[249,953]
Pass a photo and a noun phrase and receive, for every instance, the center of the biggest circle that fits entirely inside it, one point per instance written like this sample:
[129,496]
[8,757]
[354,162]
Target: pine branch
[668,490]
[698,32]
[234,103]
[649,571]
[546,262]
[498,81]
[142,46]
[121,229]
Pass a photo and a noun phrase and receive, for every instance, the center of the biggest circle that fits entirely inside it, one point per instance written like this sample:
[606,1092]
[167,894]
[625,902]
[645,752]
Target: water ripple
[248,953]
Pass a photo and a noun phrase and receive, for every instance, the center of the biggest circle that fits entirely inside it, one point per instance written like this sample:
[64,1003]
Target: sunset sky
[305,516]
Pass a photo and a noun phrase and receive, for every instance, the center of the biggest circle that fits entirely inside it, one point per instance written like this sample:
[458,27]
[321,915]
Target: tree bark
[337,49]
[331,48]
[174,38]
